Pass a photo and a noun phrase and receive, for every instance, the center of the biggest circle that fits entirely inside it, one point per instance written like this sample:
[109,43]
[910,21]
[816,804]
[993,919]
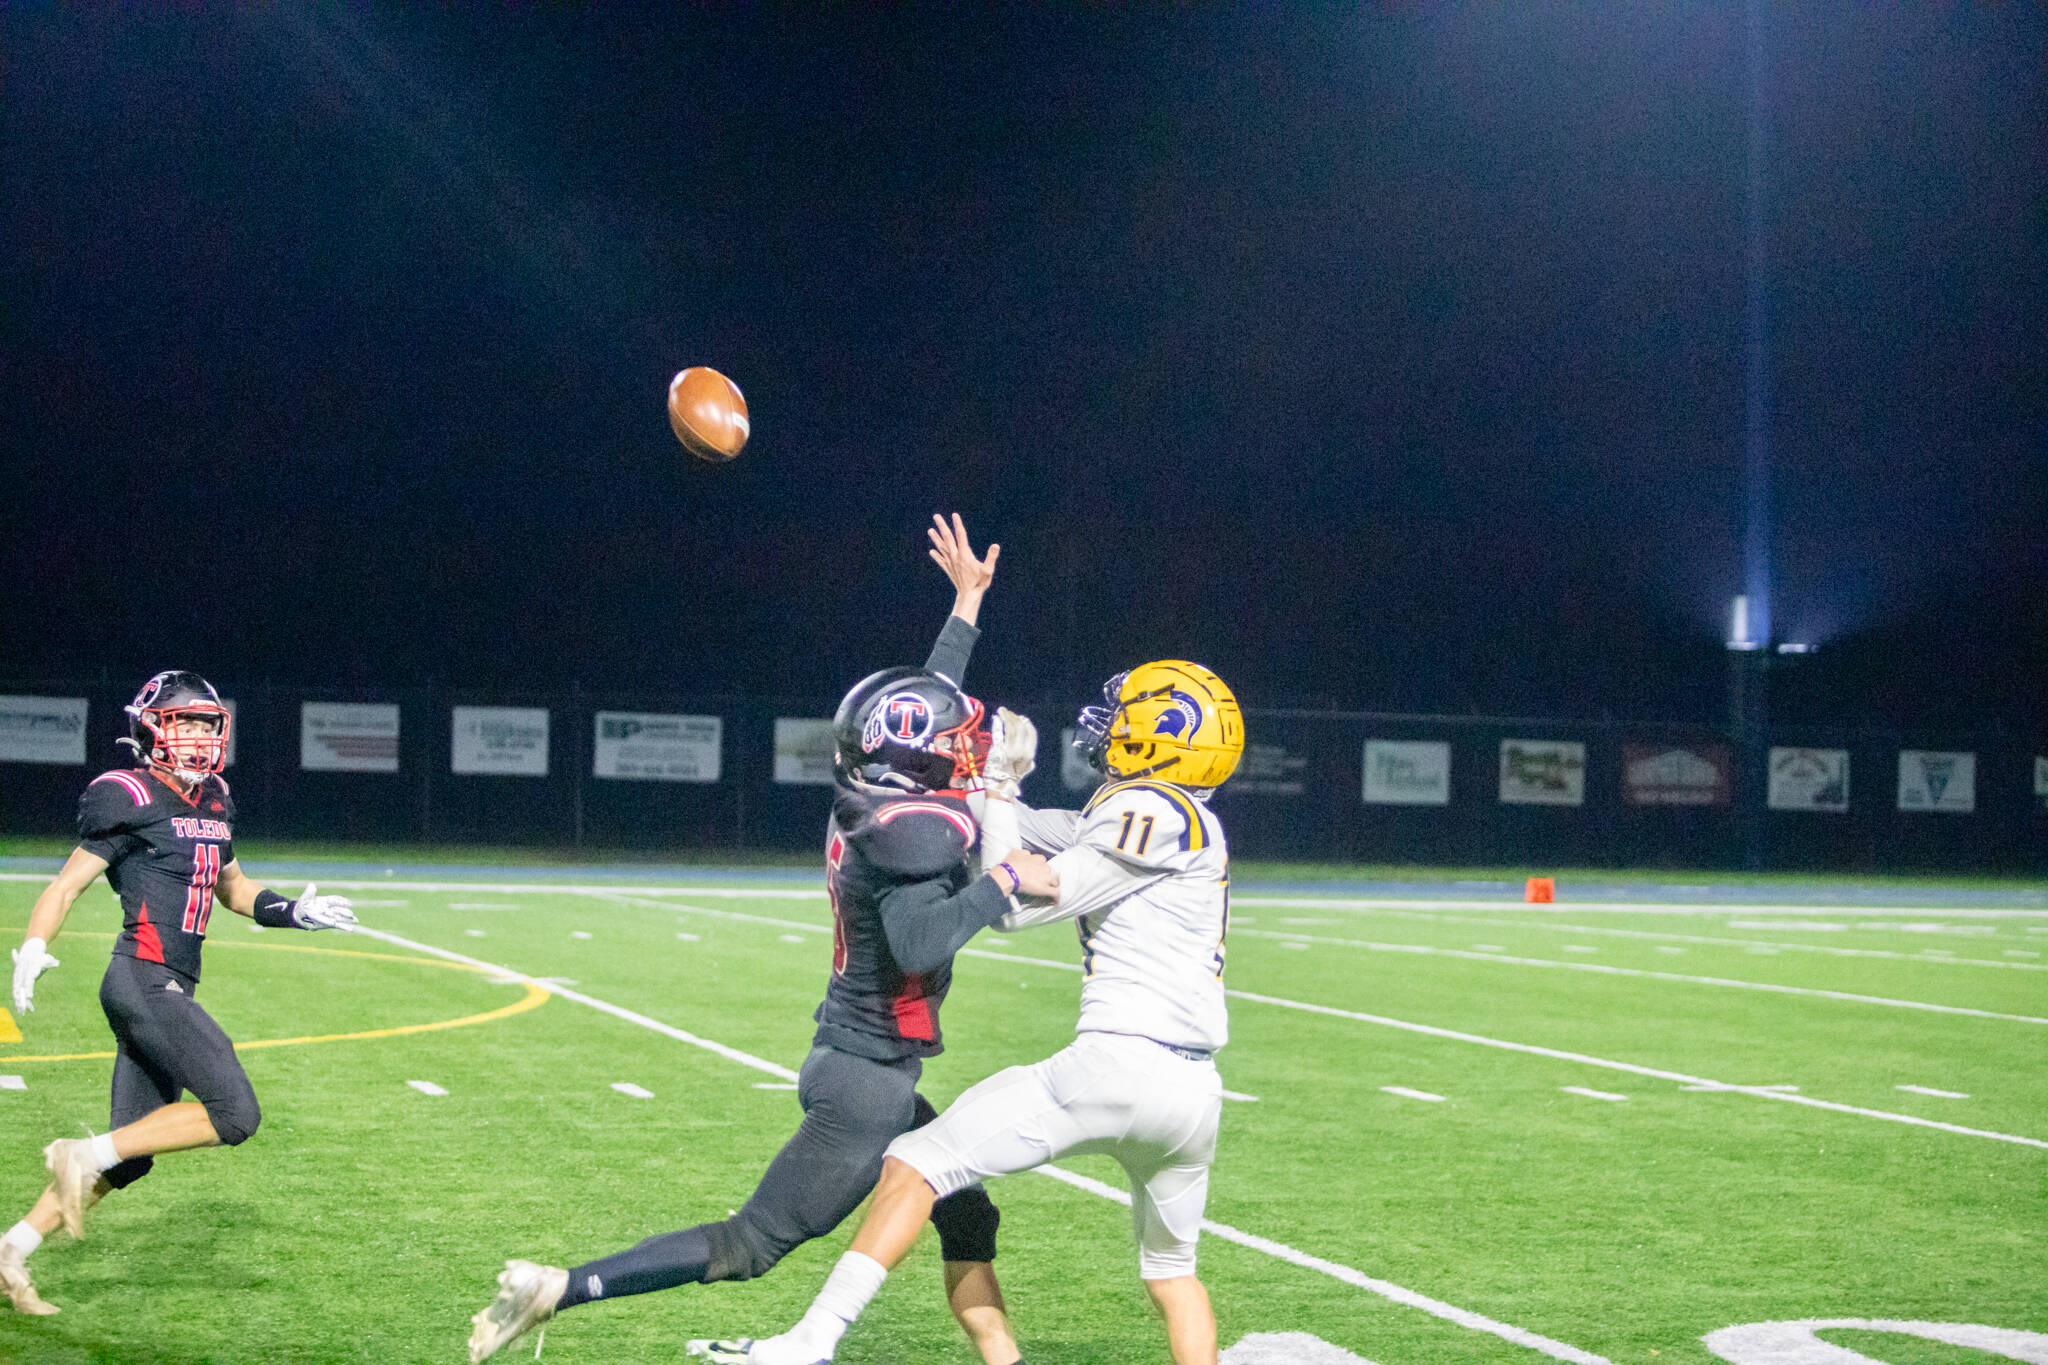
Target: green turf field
[1511,1219]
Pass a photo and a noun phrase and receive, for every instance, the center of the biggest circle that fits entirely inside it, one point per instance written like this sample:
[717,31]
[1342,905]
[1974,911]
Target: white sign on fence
[657,748]
[1407,772]
[2041,779]
[803,751]
[1809,779]
[1270,770]
[1937,781]
[42,729]
[499,739]
[348,737]
[1543,772]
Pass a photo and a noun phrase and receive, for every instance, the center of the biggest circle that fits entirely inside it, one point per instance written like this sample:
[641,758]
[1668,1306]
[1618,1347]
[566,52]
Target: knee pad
[235,1119]
[967,1221]
[126,1173]
[741,1251]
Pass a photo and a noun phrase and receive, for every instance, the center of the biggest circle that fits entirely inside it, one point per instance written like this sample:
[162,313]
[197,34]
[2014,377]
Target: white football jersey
[1145,873]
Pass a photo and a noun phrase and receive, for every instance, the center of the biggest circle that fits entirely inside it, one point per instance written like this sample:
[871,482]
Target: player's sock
[661,1262]
[103,1156]
[23,1238]
[854,1281]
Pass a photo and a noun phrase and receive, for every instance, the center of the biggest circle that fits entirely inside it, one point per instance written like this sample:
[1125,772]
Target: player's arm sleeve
[950,653]
[926,924]
[1102,863]
[1048,831]
[107,814]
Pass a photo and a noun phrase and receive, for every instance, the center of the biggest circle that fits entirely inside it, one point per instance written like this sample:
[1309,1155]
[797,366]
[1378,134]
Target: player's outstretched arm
[925,925]
[244,895]
[46,921]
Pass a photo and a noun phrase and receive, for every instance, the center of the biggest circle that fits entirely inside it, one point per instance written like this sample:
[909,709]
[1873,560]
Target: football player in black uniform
[904,899]
[163,833]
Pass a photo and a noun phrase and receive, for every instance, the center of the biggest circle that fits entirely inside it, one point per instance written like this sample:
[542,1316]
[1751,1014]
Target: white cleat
[69,1161]
[786,1349]
[20,1291]
[527,1294]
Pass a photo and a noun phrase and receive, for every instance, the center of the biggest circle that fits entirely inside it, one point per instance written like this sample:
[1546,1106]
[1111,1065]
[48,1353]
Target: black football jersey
[904,900]
[164,852]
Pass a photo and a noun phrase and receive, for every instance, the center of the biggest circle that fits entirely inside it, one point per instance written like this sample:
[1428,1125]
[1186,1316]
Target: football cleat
[21,1292]
[527,1294]
[782,1350]
[69,1161]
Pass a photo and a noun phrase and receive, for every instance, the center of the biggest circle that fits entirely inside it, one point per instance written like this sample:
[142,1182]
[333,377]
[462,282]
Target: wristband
[274,911]
[1015,880]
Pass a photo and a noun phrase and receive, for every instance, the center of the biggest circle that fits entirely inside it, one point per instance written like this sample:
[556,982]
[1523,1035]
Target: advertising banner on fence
[1676,774]
[1407,772]
[1543,772]
[657,748]
[499,739]
[348,737]
[42,729]
[1809,779]
[803,751]
[1937,781]
[1269,770]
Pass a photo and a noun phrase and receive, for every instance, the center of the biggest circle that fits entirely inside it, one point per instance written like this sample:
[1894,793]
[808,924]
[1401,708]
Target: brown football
[708,413]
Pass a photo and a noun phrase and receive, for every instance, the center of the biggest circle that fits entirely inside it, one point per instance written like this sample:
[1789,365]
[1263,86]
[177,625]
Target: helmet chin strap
[1147,772]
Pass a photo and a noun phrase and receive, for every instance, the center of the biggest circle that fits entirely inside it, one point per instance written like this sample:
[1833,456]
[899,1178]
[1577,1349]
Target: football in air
[708,413]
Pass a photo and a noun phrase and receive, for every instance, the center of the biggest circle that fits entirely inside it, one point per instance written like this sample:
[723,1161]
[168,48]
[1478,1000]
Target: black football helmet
[176,694]
[907,728]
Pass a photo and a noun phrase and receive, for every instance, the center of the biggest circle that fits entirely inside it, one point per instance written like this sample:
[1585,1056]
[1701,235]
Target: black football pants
[167,1045]
[853,1109]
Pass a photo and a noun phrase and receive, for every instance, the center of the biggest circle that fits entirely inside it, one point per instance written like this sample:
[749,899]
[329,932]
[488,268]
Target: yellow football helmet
[1169,719]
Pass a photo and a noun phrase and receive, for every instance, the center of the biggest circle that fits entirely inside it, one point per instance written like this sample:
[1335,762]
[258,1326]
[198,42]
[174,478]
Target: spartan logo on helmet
[900,717]
[1181,718]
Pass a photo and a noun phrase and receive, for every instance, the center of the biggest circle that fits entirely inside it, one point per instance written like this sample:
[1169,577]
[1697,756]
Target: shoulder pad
[113,801]
[915,835]
[1144,821]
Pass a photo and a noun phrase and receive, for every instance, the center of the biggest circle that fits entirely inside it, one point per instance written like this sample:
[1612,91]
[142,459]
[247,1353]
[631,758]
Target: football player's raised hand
[31,960]
[1013,748]
[315,911]
[951,552]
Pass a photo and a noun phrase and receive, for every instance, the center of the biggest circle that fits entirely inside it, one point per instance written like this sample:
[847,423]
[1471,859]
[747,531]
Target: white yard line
[1539,911]
[638,1092]
[1430,1030]
[1592,1094]
[1608,969]
[1668,937]
[1938,1094]
[1659,1073]
[1557,1350]
[1782,1093]
[12,1083]
[426,1087]
[1405,1093]
[1464,1317]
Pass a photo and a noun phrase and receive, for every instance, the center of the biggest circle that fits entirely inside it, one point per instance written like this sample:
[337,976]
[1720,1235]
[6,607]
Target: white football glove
[315,911]
[1012,750]
[31,960]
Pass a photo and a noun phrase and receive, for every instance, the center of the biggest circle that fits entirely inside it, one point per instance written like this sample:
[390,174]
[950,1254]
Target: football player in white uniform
[1144,873]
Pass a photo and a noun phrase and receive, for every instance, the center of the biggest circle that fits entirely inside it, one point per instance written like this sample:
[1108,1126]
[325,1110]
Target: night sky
[1385,359]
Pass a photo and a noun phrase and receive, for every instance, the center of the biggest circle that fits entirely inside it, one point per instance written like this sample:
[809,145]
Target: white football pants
[1109,1093]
